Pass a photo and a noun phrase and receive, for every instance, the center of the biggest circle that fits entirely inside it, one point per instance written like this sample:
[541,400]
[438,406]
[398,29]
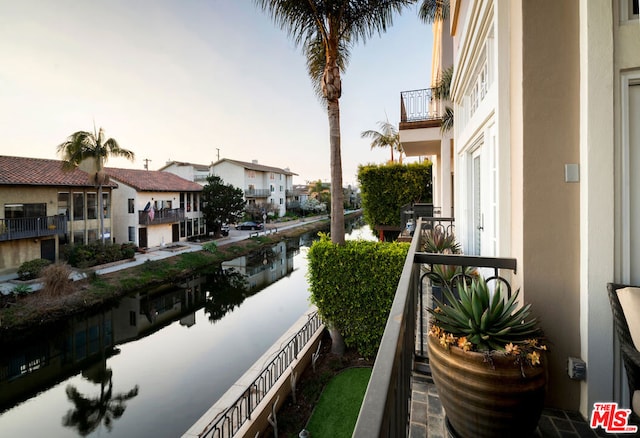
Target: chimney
[254,161]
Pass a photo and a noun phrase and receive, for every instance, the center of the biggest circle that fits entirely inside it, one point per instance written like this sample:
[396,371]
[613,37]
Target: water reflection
[89,412]
[144,367]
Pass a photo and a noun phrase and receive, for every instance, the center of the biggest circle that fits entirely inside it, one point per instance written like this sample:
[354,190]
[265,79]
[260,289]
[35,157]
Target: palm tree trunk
[337,195]
[101,212]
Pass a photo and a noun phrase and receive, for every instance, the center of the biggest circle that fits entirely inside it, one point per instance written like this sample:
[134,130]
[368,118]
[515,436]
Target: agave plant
[437,241]
[481,321]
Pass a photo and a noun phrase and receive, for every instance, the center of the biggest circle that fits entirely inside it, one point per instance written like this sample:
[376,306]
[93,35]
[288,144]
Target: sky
[194,81]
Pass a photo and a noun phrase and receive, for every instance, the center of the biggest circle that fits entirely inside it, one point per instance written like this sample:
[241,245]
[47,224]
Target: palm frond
[433,10]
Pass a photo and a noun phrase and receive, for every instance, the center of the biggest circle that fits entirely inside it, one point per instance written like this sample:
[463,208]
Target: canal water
[153,364]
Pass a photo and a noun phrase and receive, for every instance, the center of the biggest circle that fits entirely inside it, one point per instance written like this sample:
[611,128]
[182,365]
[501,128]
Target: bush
[211,247]
[97,253]
[56,280]
[353,286]
[32,269]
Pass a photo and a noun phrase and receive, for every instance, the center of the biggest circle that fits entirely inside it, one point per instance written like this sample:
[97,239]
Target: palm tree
[84,145]
[326,30]
[442,91]
[433,10]
[387,137]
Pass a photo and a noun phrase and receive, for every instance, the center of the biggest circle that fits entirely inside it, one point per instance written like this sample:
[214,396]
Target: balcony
[31,227]
[257,193]
[164,216]
[385,411]
[419,109]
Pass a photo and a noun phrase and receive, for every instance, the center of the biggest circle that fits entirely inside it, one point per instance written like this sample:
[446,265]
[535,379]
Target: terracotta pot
[487,399]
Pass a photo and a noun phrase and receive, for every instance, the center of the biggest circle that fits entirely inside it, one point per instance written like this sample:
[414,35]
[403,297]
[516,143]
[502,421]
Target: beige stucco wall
[550,216]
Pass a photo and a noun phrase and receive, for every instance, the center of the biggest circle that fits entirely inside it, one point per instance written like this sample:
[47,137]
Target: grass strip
[337,410]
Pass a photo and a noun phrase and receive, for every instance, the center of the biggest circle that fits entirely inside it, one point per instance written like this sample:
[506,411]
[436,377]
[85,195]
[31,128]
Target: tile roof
[256,166]
[152,180]
[40,172]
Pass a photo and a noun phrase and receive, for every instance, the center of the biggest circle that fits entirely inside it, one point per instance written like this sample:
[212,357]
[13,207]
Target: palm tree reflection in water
[88,413]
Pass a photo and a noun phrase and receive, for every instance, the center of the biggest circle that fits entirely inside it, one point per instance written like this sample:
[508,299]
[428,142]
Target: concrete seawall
[274,397]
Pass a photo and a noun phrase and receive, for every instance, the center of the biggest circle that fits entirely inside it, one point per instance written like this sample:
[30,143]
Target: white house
[262,185]
[153,208]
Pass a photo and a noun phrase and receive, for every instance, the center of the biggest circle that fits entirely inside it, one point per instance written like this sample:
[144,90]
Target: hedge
[386,188]
[353,286]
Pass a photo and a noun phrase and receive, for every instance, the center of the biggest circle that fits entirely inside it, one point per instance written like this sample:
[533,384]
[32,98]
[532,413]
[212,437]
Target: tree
[433,10]
[83,145]
[442,91]
[221,203]
[327,29]
[387,137]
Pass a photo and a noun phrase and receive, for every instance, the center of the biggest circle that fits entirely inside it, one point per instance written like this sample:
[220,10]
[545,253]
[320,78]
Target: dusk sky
[177,80]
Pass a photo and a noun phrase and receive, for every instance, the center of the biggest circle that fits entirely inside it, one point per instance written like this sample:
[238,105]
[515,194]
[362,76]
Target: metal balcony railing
[30,227]
[257,193]
[385,409]
[419,105]
[163,216]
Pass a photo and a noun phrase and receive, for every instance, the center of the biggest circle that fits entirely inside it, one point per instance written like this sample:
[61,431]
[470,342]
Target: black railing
[30,227]
[419,105]
[163,216]
[385,409]
[257,193]
[228,423]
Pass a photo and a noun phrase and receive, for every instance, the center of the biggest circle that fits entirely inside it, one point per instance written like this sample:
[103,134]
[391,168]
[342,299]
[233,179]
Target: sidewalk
[161,252]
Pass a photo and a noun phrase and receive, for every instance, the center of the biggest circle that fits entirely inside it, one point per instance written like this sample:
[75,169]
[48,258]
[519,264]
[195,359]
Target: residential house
[299,195]
[265,187]
[546,97]
[43,207]
[153,208]
[190,171]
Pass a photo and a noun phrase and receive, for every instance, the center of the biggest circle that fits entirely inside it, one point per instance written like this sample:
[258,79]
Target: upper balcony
[420,122]
[164,216]
[257,193]
[30,227]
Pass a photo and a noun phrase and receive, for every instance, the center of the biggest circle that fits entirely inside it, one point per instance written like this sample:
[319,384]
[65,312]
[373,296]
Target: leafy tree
[387,137]
[442,91]
[326,30]
[221,203]
[84,145]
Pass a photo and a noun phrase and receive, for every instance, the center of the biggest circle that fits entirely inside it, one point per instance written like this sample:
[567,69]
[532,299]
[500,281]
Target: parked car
[249,226]
[224,229]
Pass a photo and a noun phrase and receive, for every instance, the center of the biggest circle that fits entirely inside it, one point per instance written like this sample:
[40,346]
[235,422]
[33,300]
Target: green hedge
[386,188]
[97,253]
[353,287]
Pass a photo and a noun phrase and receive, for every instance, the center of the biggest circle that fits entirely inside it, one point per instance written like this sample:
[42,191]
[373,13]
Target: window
[92,206]
[272,188]
[17,211]
[78,237]
[132,234]
[92,235]
[281,201]
[106,205]
[63,203]
[251,174]
[182,201]
[195,202]
[272,175]
[281,189]
[131,206]
[78,206]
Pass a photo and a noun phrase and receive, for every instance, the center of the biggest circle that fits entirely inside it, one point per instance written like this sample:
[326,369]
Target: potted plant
[488,362]
[438,241]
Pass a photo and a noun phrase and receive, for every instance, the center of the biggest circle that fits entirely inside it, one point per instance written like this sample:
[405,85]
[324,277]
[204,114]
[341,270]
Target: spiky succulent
[483,319]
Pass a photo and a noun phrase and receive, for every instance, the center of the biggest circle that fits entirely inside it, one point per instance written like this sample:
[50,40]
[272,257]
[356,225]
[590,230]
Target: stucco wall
[550,206]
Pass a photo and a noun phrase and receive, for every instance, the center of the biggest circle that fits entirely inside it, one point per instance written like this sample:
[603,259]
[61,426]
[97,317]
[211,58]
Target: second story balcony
[419,109]
[163,216]
[257,193]
[31,227]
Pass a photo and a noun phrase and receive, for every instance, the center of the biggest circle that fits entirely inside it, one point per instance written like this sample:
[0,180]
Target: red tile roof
[152,180]
[40,172]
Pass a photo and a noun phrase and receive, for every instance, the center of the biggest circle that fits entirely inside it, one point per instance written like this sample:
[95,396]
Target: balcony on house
[257,193]
[419,109]
[31,227]
[385,411]
[163,216]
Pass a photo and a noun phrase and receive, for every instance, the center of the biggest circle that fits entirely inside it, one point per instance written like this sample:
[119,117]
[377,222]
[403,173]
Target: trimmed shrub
[353,286]
[97,253]
[385,189]
[32,269]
